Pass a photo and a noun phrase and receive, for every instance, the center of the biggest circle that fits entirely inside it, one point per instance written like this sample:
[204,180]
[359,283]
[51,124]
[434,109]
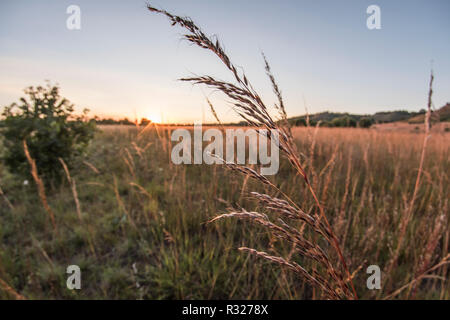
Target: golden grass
[334,280]
[39,184]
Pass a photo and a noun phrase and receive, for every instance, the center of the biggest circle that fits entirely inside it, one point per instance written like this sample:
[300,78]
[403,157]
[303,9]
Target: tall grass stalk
[250,107]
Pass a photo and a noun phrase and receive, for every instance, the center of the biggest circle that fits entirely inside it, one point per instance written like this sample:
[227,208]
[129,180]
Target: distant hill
[393,116]
[441,115]
[337,119]
[332,119]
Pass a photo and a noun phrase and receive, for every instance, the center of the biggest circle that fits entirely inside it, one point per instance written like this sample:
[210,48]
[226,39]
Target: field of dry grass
[438,127]
[137,224]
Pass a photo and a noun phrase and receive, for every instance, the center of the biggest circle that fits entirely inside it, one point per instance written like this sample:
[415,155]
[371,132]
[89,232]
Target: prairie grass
[330,275]
[247,103]
[364,178]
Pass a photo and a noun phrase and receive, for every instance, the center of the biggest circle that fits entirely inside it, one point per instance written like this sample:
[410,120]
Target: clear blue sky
[126,60]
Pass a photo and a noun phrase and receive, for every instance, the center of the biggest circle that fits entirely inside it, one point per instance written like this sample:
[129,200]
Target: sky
[125,60]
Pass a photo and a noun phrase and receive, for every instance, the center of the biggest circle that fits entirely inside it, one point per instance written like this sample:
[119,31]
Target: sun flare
[155,118]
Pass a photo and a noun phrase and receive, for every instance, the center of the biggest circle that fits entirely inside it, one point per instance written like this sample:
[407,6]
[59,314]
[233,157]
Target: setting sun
[155,118]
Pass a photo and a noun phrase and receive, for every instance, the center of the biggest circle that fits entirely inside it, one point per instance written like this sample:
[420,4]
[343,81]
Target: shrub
[365,122]
[51,129]
[145,122]
[344,121]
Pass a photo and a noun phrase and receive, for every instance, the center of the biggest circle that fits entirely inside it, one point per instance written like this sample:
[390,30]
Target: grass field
[136,224]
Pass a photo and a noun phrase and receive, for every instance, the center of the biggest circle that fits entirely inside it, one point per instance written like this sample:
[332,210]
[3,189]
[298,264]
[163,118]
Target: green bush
[344,121]
[51,129]
[365,122]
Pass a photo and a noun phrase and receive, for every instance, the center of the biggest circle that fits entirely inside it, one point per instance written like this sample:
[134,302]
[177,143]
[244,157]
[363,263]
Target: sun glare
[154,118]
